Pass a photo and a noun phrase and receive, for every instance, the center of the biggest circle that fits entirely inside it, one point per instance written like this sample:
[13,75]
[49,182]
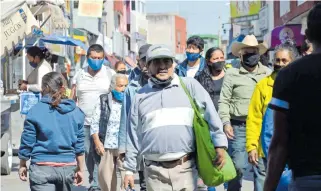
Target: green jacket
[237,90]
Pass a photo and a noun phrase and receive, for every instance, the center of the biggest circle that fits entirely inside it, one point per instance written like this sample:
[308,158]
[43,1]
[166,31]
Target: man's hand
[79,178]
[23,173]
[220,158]
[228,130]
[253,157]
[129,180]
[99,148]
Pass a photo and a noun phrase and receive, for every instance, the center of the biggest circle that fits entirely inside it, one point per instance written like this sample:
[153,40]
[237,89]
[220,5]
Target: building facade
[168,29]
[138,25]
[292,12]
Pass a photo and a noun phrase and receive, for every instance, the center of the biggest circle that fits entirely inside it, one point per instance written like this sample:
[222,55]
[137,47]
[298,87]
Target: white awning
[16,22]
[57,16]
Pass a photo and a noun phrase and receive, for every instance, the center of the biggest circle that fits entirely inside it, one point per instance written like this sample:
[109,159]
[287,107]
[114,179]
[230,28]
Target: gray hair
[114,79]
[293,51]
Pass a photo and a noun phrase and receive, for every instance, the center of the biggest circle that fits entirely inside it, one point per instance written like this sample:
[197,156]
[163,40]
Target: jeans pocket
[38,175]
[70,171]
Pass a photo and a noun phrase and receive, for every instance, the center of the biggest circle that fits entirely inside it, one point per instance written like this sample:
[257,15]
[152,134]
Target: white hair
[114,79]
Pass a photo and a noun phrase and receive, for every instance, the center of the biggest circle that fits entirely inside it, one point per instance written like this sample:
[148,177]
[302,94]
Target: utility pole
[71,34]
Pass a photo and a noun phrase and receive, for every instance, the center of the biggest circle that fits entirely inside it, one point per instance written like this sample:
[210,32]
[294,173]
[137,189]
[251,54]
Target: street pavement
[13,183]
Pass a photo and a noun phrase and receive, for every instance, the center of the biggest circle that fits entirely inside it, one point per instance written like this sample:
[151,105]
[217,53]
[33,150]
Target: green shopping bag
[205,152]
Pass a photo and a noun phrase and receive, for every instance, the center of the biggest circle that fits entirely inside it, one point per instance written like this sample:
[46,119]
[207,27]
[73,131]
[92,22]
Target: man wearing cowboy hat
[237,89]
[160,127]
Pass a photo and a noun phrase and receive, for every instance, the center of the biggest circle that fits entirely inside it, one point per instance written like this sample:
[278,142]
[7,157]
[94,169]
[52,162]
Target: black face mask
[217,66]
[277,68]
[251,59]
[161,83]
[122,72]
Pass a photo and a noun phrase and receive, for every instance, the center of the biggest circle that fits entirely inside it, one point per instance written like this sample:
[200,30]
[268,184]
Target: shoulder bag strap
[188,94]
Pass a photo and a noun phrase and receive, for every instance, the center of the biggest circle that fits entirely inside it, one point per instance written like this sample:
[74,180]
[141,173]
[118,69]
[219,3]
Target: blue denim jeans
[239,156]
[51,178]
[306,183]
[92,165]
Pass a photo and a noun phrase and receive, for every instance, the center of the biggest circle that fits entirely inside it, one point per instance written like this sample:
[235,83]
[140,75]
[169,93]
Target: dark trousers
[50,178]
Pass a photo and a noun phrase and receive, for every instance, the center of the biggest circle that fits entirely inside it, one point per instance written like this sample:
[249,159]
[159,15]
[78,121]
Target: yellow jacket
[261,97]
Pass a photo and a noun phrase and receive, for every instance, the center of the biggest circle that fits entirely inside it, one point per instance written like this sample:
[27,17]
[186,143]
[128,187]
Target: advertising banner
[90,8]
[283,33]
[245,10]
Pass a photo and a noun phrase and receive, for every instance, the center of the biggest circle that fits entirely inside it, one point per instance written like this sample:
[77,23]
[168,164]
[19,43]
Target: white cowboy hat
[249,41]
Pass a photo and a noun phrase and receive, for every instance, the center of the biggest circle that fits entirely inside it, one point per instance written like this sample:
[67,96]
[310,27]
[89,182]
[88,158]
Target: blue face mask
[32,64]
[119,96]
[95,64]
[192,56]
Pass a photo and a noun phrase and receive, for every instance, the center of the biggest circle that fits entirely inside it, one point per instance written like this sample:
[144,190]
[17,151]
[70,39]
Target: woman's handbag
[205,151]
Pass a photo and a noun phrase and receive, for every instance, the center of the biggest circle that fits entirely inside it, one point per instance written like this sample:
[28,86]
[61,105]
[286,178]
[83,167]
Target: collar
[271,79]
[41,62]
[174,82]
[183,65]
[97,74]
[258,70]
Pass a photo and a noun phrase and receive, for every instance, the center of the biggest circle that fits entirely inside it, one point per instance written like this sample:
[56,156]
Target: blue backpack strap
[267,130]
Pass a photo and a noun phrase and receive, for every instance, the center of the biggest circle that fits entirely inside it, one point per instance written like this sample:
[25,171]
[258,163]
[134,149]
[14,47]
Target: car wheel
[6,159]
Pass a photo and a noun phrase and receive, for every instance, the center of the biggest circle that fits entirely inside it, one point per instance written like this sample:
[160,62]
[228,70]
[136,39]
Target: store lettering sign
[10,28]
[15,26]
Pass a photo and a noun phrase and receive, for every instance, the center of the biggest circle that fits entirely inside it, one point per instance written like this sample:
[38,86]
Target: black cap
[143,50]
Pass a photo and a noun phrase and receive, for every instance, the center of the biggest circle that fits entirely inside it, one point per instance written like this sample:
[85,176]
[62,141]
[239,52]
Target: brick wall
[295,11]
[180,34]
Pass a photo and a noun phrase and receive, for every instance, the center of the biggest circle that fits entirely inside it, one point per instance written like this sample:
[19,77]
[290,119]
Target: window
[133,5]
[284,7]
[76,4]
[300,2]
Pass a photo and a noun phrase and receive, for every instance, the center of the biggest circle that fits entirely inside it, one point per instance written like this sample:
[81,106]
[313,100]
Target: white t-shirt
[191,71]
[89,88]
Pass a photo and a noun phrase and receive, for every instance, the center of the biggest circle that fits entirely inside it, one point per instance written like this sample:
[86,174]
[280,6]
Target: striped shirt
[161,121]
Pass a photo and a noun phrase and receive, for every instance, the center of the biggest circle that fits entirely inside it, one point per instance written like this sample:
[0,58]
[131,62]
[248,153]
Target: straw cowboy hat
[249,41]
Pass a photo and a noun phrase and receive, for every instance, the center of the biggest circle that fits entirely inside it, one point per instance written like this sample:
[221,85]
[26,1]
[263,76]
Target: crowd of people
[266,119]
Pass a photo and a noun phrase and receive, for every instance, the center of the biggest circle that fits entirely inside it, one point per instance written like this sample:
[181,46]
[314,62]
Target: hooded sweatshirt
[53,134]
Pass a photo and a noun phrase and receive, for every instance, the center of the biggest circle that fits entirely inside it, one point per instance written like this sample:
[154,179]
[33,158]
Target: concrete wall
[110,18]
[161,30]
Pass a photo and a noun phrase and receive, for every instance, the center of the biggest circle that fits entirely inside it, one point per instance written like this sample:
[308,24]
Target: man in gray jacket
[160,127]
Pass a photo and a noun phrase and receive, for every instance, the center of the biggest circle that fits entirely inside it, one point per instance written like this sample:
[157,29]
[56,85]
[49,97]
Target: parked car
[6,136]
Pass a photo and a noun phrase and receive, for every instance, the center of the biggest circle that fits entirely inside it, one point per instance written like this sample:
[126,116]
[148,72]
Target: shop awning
[112,59]
[130,62]
[80,35]
[63,40]
[57,16]
[17,21]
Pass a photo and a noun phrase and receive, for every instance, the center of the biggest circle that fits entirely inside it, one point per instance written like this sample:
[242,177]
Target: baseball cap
[158,51]
[143,50]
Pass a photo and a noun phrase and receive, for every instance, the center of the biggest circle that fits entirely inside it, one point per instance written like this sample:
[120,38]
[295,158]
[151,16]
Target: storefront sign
[90,8]
[15,26]
[264,18]
[244,8]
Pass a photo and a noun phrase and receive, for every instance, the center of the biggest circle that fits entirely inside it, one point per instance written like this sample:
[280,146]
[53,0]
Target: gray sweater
[161,122]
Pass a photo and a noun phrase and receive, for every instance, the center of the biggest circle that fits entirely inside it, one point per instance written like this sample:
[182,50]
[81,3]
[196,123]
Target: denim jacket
[130,93]
[181,69]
